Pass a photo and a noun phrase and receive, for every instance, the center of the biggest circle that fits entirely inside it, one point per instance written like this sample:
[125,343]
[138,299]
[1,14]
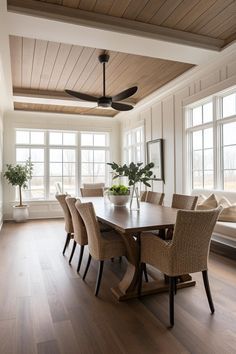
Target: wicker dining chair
[186,253]
[91,192]
[102,245]
[143,195]
[80,233]
[155,197]
[182,201]
[61,198]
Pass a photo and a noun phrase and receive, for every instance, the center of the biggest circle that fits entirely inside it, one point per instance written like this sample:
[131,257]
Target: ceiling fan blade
[121,106]
[125,94]
[82,96]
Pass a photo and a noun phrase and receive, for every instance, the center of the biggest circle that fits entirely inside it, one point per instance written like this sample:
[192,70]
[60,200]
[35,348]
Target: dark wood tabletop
[149,217]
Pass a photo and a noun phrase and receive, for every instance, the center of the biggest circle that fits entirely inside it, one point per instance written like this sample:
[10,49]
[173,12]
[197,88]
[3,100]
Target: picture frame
[155,155]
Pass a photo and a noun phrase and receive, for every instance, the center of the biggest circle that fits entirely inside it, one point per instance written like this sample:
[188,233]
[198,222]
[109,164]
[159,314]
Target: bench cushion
[226,229]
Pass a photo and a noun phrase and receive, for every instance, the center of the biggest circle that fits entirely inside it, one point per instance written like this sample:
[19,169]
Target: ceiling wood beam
[41,20]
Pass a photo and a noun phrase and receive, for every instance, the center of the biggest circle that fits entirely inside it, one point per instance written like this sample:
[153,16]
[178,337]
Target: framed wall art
[155,155]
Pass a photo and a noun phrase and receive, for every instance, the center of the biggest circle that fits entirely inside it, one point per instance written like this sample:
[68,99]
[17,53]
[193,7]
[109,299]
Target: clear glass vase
[134,199]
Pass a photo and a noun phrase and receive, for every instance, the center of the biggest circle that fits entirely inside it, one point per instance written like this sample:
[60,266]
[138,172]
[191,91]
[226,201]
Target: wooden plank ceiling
[213,18]
[47,68]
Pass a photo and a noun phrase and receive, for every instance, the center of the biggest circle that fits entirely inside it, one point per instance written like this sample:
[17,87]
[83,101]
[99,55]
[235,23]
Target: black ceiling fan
[107,101]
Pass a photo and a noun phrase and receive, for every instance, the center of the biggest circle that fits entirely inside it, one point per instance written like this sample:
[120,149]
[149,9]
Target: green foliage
[134,172]
[19,175]
[119,189]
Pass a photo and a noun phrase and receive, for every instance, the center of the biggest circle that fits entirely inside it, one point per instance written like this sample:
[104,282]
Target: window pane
[22,137]
[197,160]
[208,138]
[87,155]
[197,140]
[37,155]
[68,169]
[38,169]
[207,112]
[99,169]
[69,139]
[138,136]
[229,133]
[68,155]
[99,156]
[87,179]
[37,138]
[208,179]
[197,115]
[99,179]
[197,179]
[87,169]
[55,169]
[55,138]
[69,185]
[229,105]
[230,180]
[52,186]
[230,157]
[22,154]
[99,140]
[86,139]
[37,187]
[55,155]
[208,159]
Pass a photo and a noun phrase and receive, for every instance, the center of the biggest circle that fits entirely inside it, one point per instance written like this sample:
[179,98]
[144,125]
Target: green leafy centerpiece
[19,175]
[135,173]
[118,194]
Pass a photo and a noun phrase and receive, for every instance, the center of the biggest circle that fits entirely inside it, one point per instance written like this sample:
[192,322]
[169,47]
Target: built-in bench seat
[223,229]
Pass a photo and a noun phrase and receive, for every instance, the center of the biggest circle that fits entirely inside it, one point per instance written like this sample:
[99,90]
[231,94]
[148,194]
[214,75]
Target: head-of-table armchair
[61,198]
[91,192]
[80,233]
[102,245]
[182,201]
[186,253]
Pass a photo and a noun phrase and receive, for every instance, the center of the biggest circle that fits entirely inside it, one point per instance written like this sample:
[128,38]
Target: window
[68,158]
[212,143]
[94,156]
[134,145]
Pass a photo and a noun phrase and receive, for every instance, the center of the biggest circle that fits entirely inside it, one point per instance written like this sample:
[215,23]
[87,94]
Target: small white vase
[21,213]
[118,200]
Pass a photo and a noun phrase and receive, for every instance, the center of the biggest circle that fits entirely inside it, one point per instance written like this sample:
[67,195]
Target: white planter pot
[20,213]
[118,200]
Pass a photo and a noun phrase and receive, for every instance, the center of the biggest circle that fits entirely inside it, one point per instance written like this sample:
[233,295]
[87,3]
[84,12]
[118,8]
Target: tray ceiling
[45,69]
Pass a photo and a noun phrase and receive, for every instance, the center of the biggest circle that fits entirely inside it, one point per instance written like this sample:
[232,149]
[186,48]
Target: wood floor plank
[46,307]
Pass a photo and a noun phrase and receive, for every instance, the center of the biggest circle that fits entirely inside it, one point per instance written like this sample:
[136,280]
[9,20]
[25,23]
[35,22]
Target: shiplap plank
[134,8]
[71,3]
[118,8]
[180,12]
[49,62]
[103,6]
[16,59]
[150,9]
[69,66]
[87,5]
[225,29]
[39,57]
[27,61]
[63,54]
[164,11]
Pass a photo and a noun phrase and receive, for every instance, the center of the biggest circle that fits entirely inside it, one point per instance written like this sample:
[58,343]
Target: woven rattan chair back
[191,240]
[91,192]
[80,233]
[61,198]
[87,213]
[143,195]
[155,197]
[186,202]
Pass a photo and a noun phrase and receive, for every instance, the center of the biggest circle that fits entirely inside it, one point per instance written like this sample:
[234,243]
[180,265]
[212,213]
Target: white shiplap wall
[163,115]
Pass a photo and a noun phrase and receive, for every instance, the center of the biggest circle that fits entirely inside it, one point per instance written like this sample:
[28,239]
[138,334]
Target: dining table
[130,224]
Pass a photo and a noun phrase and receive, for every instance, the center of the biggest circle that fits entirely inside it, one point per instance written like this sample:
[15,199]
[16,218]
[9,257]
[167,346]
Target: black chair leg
[140,279]
[66,243]
[99,277]
[120,259]
[72,252]
[87,266]
[171,299]
[80,258]
[208,291]
[145,272]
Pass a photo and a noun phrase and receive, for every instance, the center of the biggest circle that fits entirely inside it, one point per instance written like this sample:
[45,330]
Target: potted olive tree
[19,175]
[135,173]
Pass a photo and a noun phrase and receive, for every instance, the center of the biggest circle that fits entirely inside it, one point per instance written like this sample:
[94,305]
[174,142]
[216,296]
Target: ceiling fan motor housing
[104,101]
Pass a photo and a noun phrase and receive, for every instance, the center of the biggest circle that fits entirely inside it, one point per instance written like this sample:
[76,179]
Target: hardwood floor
[46,308]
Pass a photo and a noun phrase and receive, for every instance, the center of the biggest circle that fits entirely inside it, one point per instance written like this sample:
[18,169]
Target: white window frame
[132,148]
